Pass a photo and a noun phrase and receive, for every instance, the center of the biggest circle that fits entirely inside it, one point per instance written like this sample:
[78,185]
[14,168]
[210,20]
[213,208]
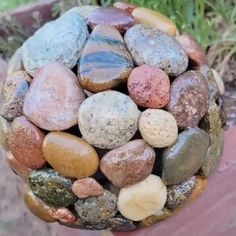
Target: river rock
[52,188]
[16,62]
[105,61]
[185,157]
[3,72]
[69,155]
[153,47]
[158,128]
[193,49]
[112,17]
[13,94]
[149,86]
[219,81]
[108,119]
[188,99]
[19,169]
[222,109]
[97,209]
[59,96]
[213,125]
[143,199]
[4,129]
[37,207]
[200,186]
[63,215]
[177,194]
[87,187]
[124,6]
[25,143]
[83,10]
[61,40]
[128,164]
[155,19]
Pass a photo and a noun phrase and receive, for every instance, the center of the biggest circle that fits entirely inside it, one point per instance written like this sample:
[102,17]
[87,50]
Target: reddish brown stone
[128,164]
[149,86]
[54,98]
[63,215]
[188,99]
[193,49]
[25,143]
[87,187]
[127,7]
[111,16]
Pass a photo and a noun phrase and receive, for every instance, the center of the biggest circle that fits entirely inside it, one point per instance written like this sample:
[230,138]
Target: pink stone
[64,215]
[54,97]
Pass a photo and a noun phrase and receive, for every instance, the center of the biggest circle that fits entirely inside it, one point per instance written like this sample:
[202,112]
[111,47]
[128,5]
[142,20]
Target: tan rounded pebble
[37,207]
[143,199]
[21,170]
[155,19]
[4,129]
[219,81]
[87,187]
[63,215]
[69,155]
[158,128]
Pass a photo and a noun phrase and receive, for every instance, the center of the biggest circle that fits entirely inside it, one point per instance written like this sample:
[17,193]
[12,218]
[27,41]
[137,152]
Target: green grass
[6,5]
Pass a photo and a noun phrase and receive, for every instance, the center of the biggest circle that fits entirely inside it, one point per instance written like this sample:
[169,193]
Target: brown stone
[37,207]
[13,94]
[63,215]
[193,49]
[149,86]
[128,164]
[21,170]
[87,187]
[54,98]
[69,155]
[111,16]
[25,143]
[105,61]
[127,7]
[188,99]
[199,188]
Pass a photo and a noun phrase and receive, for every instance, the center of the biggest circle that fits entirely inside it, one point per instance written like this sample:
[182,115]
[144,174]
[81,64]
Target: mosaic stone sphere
[112,119]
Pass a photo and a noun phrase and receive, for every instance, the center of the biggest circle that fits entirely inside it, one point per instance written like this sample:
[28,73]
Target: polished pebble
[69,155]
[188,99]
[87,187]
[128,164]
[112,17]
[143,199]
[201,184]
[19,169]
[37,207]
[63,215]
[52,188]
[219,81]
[54,98]
[158,128]
[84,10]
[155,19]
[108,119]
[61,40]
[4,130]
[13,95]
[25,142]
[149,86]
[193,49]
[153,47]
[97,209]
[105,61]
[126,7]
[185,157]
[16,62]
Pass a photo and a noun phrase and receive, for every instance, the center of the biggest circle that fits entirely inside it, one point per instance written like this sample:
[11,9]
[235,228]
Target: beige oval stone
[87,187]
[37,207]
[155,19]
[219,81]
[4,129]
[143,199]
[69,155]
[158,128]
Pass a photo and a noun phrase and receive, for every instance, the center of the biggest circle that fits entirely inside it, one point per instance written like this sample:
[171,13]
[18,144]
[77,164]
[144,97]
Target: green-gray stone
[212,123]
[97,209]
[4,128]
[185,157]
[178,193]
[52,188]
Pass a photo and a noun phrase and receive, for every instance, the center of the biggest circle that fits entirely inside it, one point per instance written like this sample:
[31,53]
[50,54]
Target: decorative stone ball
[112,120]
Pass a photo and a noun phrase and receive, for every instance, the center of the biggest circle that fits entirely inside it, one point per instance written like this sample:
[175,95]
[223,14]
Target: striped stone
[105,61]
